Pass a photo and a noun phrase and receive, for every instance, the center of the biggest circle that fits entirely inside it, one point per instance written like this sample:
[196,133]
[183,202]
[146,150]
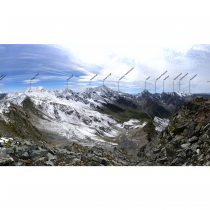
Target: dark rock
[25,155]
[9,151]
[205,128]
[34,147]
[156,150]
[51,157]
[105,162]
[191,129]
[178,161]
[208,151]
[204,137]
[179,129]
[3,152]
[208,157]
[19,150]
[162,160]
[6,161]
[178,138]
[208,132]
[181,153]
[49,163]
[177,141]
[194,147]
[170,150]
[185,146]
[189,153]
[197,129]
[200,158]
[38,153]
[193,139]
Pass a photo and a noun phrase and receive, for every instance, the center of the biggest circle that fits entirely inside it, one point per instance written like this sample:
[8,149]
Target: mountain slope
[94,116]
[14,122]
[123,107]
[103,127]
[63,118]
[186,141]
[161,105]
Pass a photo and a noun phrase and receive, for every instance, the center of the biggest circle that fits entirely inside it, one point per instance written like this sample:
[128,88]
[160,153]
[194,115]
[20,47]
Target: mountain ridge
[112,128]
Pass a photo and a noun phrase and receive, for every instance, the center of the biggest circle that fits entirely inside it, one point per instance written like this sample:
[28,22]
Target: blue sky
[103,37]
[55,63]
[21,61]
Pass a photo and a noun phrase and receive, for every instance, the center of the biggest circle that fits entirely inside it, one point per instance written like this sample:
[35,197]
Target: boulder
[193,139]
[49,163]
[206,127]
[38,153]
[6,161]
[185,146]
[162,160]
[51,157]
[25,155]
[179,129]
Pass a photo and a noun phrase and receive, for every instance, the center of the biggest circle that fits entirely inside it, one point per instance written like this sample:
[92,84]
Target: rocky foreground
[18,152]
[186,141]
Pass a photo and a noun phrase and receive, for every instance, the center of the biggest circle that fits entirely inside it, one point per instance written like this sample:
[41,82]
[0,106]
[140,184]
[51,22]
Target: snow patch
[134,124]
[68,115]
[4,140]
[182,94]
[160,124]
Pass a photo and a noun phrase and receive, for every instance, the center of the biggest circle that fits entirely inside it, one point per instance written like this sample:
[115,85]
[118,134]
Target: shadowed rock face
[161,105]
[18,124]
[186,141]
[2,95]
[127,102]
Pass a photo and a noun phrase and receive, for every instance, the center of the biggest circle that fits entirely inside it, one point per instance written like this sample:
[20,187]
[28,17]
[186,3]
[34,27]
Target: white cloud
[115,35]
[31,81]
[149,60]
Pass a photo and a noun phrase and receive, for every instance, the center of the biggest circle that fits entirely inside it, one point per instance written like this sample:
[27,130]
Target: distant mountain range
[93,114]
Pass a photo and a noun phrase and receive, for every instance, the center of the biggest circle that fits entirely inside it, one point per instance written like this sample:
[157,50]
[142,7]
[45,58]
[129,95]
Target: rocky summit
[186,141]
[19,152]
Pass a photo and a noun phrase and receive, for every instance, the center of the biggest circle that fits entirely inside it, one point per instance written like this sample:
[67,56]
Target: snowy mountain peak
[182,94]
[101,90]
[36,89]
